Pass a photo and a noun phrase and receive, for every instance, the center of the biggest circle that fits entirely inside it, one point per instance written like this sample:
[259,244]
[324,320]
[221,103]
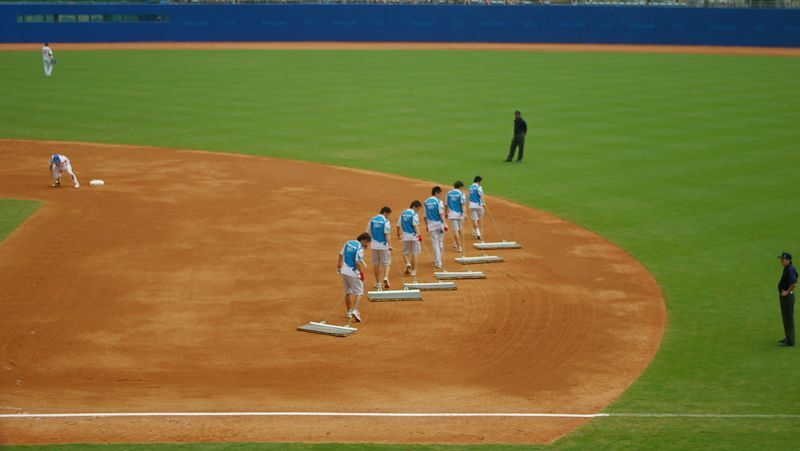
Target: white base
[96,183]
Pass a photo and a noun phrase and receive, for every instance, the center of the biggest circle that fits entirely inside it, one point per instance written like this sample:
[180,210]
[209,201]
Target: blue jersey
[432,211]
[379,227]
[352,253]
[455,202]
[475,194]
[409,219]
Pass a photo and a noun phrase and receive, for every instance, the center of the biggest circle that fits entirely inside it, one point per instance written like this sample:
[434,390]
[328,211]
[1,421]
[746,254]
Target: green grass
[13,213]
[688,162]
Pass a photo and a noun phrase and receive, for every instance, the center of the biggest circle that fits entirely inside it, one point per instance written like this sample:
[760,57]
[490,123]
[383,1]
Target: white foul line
[390,415]
[296,414]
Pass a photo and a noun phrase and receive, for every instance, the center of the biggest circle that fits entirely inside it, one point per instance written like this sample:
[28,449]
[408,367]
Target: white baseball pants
[66,167]
[437,243]
[48,67]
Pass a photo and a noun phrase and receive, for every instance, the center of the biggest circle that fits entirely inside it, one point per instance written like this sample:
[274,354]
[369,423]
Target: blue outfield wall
[418,23]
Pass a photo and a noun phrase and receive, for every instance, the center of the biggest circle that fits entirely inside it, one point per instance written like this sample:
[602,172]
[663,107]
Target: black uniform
[520,130]
[788,278]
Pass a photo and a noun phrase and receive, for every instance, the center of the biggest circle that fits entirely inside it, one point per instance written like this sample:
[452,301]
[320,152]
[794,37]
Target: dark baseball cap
[786,256]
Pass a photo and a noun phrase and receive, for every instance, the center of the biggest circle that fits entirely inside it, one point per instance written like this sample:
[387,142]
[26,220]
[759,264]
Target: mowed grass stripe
[686,161]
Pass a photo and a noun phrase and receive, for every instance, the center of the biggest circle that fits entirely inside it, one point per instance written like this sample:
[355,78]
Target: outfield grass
[686,161]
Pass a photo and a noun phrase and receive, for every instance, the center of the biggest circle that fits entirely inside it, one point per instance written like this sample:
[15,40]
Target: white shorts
[381,257]
[411,247]
[456,224]
[434,226]
[476,213]
[352,285]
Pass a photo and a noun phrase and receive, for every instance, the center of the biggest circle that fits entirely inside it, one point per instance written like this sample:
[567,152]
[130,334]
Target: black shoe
[785,343]
[519,161]
[507,160]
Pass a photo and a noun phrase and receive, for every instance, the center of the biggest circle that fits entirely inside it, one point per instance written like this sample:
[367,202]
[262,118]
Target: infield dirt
[177,287]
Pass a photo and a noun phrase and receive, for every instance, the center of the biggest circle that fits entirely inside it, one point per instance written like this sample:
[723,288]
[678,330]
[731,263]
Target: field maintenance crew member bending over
[351,266]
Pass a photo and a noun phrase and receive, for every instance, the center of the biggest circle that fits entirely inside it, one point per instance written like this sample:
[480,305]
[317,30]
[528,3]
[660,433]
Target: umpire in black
[520,130]
[786,288]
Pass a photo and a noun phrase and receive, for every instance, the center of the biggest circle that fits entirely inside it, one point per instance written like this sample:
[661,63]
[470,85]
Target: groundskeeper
[408,233]
[351,267]
[434,222]
[380,228]
[455,208]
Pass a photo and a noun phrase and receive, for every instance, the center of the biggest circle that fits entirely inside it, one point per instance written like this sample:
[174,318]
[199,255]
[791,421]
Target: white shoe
[77,185]
[408,270]
[412,273]
[385,284]
[349,314]
[357,316]
[378,287]
[437,266]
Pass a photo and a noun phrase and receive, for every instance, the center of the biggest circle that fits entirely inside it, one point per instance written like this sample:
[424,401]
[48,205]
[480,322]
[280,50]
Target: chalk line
[26,415]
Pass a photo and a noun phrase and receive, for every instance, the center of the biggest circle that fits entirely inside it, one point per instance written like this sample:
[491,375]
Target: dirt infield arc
[177,287]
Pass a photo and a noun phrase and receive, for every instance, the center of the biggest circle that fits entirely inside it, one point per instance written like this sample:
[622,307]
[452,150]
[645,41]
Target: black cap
[786,256]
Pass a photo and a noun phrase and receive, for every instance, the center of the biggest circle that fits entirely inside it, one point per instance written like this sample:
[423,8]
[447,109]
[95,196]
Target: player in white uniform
[351,266]
[434,221]
[408,232]
[380,228]
[476,206]
[60,163]
[47,60]
[456,201]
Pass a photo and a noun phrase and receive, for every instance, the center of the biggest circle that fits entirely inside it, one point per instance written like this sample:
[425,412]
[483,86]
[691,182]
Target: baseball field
[645,175]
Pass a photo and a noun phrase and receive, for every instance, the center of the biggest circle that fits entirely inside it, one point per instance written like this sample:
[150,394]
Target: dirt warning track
[471,46]
[177,287]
